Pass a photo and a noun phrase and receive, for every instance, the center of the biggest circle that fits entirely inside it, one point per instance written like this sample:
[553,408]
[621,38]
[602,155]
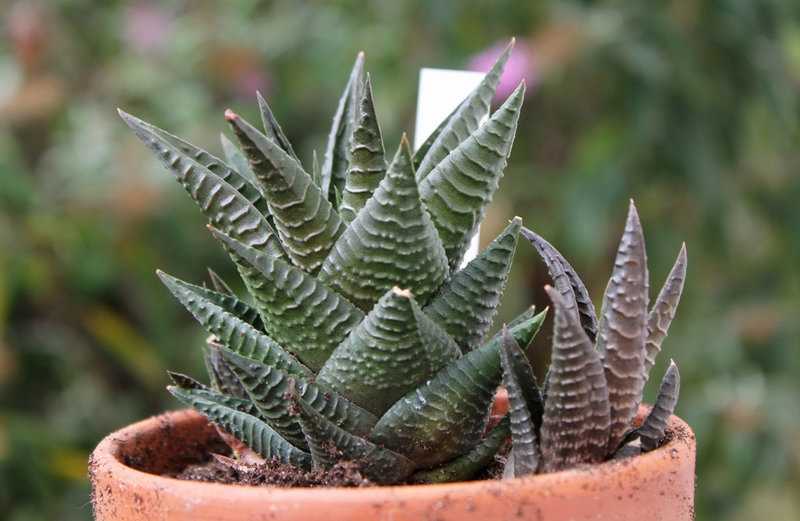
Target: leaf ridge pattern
[465,305]
[391,242]
[623,329]
[575,423]
[305,220]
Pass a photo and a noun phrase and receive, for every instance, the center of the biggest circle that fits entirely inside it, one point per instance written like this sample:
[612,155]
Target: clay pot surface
[126,485]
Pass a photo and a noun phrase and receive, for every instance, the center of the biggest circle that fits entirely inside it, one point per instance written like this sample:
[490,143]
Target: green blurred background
[690,107]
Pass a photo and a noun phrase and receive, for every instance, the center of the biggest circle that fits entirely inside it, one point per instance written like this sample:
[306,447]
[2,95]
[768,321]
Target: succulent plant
[585,411]
[362,339]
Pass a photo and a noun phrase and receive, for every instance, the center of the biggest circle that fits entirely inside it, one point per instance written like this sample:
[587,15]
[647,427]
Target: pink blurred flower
[520,66]
[147,27]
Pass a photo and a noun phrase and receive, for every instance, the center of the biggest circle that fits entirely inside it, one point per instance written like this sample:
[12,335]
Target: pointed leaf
[525,407]
[306,222]
[222,378]
[523,330]
[459,188]
[394,349]
[229,330]
[330,444]
[467,466]
[663,311]
[298,311]
[181,380]
[623,330]
[446,416]
[391,242]
[463,121]
[367,159]
[522,317]
[226,303]
[575,423]
[652,430]
[465,305]
[189,388]
[334,166]
[238,180]
[224,206]
[236,159]
[255,433]
[567,282]
[219,285]
[272,129]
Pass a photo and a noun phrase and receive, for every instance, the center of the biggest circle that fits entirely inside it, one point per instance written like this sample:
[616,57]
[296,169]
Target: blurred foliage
[688,106]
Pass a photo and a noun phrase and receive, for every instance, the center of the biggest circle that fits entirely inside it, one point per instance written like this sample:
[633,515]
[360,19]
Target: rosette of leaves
[585,411]
[361,339]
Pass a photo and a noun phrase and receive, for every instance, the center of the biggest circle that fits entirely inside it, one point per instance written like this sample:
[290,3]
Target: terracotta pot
[126,485]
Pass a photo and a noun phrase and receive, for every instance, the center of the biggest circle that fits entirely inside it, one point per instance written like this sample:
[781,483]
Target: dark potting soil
[274,473]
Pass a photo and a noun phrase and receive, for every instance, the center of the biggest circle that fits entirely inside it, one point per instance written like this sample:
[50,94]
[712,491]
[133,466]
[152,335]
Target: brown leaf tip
[405,293]
[230,115]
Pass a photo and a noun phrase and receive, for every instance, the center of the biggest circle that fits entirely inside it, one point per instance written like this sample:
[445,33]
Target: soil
[274,473]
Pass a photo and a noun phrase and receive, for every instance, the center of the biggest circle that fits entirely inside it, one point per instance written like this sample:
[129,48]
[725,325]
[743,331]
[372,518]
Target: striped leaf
[663,311]
[222,203]
[391,242]
[652,430]
[229,330]
[575,423]
[395,348]
[623,329]
[231,305]
[330,444]
[334,166]
[462,122]
[270,389]
[367,165]
[306,222]
[222,378]
[467,466]
[272,129]
[456,400]
[465,306]
[254,432]
[458,189]
[298,311]
[238,180]
[567,282]
[190,386]
[525,407]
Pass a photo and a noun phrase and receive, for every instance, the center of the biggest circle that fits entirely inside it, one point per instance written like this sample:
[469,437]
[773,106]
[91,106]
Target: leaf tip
[405,293]
[230,115]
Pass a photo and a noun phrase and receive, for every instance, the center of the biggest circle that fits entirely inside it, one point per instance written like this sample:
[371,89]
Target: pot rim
[109,454]
[658,483]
